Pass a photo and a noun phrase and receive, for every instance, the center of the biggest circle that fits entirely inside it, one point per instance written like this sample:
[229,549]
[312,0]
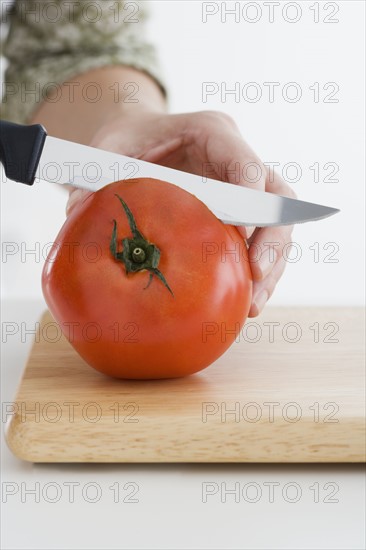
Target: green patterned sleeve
[50,42]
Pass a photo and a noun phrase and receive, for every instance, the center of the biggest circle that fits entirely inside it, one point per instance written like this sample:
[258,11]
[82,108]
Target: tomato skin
[114,321]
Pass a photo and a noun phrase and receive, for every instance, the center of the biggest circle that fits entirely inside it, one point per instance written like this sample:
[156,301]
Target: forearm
[96,97]
[70,56]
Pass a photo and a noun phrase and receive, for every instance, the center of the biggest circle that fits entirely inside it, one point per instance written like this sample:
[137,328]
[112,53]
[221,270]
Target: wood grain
[293,401]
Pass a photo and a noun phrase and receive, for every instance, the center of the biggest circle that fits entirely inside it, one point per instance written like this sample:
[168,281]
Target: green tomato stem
[137,253]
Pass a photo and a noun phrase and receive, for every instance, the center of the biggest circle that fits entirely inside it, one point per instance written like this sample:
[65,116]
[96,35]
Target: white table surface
[169,511]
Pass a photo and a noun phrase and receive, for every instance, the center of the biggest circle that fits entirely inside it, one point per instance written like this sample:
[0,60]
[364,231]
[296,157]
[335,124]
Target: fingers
[77,196]
[230,157]
[226,149]
[263,290]
[267,252]
[244,168]
[161,151]
[266,248]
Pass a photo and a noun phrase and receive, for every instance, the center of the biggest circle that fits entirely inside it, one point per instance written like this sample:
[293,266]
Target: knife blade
[59,161]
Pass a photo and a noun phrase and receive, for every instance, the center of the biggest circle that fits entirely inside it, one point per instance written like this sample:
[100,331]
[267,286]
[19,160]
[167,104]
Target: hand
[194,142]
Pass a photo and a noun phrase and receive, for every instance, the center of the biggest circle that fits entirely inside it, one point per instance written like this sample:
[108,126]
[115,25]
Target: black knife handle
[20,150]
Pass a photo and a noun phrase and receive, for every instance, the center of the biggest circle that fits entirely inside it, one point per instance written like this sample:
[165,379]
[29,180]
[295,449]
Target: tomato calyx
[137,253]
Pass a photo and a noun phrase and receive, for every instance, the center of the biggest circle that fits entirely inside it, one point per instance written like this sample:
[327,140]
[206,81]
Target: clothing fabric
[50,42]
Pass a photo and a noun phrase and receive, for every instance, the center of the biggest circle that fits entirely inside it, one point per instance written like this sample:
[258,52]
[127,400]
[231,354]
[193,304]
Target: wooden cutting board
[290,390]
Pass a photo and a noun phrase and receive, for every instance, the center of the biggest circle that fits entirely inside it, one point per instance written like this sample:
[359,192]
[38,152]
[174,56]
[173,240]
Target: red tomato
[146,282]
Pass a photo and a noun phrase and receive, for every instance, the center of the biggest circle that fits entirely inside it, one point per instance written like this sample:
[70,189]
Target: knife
[28,154]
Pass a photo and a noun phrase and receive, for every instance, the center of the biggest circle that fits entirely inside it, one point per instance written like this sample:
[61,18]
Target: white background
[170,513]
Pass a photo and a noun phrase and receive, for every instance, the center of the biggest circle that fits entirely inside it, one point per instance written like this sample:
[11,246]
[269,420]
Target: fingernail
[266,262]
[250,230]
[74,198]
[245,231]
[260,301]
